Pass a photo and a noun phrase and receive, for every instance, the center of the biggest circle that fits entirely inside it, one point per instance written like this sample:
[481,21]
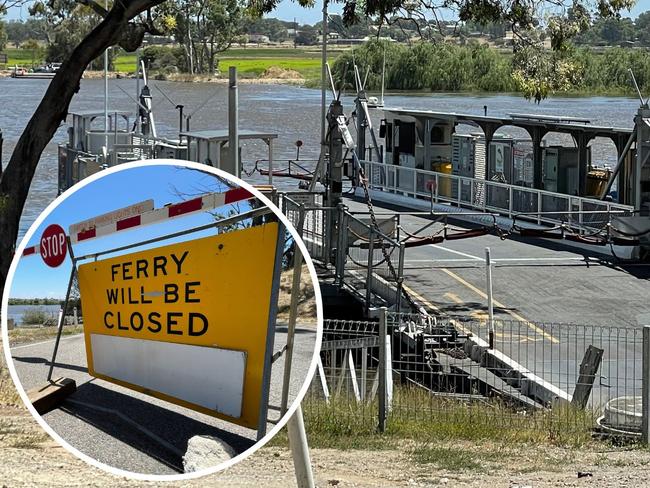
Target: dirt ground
[30,458]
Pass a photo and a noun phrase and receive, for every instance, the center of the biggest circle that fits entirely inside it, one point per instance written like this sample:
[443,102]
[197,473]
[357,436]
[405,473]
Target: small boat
[40,73]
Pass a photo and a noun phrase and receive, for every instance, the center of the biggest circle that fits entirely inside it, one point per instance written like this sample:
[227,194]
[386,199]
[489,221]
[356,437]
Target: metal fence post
[400,277]
[341,245]
[645,391]
[488,271]
[371,250]
[383,331]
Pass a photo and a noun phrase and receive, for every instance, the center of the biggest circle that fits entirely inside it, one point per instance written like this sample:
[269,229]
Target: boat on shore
[45,72]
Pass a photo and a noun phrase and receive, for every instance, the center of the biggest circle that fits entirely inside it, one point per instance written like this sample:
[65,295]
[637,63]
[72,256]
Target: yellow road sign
[186,322]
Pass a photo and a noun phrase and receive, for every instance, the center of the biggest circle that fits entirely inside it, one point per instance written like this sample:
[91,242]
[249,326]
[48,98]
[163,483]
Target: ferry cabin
[428,140]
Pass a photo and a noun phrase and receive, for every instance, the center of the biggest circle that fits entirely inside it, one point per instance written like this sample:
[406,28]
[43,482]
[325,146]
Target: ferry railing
[308,208]
[75,165]
[364,258]
[372,259]
[542,207]
[562,380]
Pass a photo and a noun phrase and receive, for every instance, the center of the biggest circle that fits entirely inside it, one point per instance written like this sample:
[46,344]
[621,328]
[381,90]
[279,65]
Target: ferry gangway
[540,207]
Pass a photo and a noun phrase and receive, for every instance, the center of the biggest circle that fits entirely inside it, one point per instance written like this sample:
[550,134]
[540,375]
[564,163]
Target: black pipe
[180,117]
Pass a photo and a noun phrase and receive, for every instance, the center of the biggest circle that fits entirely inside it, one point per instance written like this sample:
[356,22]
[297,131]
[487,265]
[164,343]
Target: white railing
[540,206]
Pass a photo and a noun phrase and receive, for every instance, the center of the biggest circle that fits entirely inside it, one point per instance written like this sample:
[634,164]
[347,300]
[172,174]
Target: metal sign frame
[253,214]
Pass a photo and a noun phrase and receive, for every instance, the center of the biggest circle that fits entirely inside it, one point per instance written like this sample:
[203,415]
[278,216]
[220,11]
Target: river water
[292,112]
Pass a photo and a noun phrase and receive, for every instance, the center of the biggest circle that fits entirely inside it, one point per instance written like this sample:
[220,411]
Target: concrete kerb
[514,374]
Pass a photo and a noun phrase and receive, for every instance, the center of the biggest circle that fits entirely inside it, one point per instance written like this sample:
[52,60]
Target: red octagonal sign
[53,246]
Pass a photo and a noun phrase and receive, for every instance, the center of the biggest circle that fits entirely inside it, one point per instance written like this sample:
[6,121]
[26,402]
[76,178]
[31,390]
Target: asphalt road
[136,432]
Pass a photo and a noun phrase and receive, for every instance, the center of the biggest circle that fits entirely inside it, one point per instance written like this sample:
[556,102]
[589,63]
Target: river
[293,112]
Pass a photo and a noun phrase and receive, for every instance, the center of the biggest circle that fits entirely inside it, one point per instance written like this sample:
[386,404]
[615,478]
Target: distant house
[258,39]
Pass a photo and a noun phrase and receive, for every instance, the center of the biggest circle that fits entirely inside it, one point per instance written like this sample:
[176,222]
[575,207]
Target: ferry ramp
[550,303]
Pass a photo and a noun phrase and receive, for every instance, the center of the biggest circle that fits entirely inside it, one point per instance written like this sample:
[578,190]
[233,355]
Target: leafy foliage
[204,28]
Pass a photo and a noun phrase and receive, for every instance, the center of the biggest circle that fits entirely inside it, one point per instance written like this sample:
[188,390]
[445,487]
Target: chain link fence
[552,379]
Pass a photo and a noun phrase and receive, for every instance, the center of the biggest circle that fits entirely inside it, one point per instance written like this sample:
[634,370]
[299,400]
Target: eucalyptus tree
[204,28]
[125,23]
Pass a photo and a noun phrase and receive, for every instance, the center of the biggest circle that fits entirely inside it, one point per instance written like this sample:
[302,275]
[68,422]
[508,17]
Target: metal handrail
[480,185]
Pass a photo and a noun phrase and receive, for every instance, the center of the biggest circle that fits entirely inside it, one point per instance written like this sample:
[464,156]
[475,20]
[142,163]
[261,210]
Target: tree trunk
[51,112]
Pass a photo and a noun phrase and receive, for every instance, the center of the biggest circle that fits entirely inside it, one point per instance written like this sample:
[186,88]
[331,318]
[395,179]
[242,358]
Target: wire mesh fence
[551,379]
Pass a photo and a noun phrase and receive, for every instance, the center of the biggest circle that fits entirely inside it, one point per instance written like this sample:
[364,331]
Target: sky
[288,10]
[164,184]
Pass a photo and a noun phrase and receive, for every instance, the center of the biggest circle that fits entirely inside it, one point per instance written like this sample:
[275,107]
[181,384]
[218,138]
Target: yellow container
[597,182]
[444,184]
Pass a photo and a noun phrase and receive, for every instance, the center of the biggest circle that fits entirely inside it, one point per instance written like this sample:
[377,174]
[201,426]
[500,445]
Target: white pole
[300,450]
[323,76]
[233,122]
[488,271]
[106,90]
[383,73]
[137,93]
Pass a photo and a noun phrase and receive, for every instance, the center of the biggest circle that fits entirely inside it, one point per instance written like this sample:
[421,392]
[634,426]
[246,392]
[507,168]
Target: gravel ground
[39,462]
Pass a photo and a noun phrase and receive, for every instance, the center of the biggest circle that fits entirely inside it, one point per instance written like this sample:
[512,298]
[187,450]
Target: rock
[204,452]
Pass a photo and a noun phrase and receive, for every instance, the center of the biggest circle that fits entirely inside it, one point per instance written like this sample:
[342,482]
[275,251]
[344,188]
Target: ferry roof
[221,135]
[97,113]
[551,123]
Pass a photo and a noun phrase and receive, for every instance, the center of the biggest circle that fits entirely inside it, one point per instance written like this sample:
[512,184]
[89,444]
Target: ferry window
[389,137]
[407,138]
[437,135]
[382,128]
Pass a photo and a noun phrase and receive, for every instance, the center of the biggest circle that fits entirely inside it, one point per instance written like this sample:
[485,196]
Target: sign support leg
[293,312]
[65,306]
[270,334]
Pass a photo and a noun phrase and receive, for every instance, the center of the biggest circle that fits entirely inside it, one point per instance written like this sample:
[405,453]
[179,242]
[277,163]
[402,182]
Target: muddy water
[290,111]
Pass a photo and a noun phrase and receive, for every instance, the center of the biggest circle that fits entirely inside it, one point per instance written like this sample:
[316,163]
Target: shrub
[37,316]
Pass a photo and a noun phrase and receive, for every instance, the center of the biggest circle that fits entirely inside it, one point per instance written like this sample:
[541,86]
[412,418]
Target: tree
[35,48]
[306,36]
[274,29]
[125,24]
[642,27]
[19,31]
[204,28]
[127,21]
[3,36]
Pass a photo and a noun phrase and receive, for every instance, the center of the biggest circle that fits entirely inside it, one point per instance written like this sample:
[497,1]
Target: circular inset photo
[161,319]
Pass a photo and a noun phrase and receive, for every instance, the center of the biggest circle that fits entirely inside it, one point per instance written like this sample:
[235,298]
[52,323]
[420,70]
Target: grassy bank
[425,68]
[417,418]
[22,335]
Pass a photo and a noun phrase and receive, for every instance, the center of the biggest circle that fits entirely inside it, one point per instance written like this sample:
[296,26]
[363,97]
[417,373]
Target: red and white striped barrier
[89,230]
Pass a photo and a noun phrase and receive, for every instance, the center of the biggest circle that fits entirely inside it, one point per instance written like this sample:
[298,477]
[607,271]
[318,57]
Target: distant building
[258,39]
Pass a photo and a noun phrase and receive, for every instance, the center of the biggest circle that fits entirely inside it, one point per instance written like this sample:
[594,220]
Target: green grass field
[24,57]
[250,62]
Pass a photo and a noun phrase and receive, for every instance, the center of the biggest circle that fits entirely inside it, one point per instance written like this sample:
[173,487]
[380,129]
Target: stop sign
[53,246]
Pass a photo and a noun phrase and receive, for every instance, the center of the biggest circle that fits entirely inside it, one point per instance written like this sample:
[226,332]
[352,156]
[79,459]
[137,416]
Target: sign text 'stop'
[53,246]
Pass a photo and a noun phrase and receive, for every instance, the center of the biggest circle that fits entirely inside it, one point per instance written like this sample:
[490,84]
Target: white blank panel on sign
[207,376]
